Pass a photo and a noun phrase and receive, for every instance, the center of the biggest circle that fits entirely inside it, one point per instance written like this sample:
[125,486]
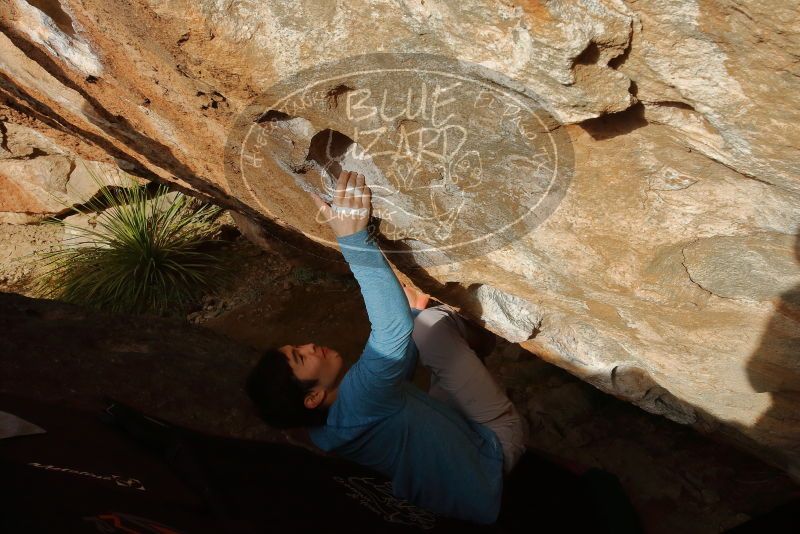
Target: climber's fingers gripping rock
[351,207]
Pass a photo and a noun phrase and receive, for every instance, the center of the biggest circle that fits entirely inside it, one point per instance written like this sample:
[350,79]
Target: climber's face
[319,363]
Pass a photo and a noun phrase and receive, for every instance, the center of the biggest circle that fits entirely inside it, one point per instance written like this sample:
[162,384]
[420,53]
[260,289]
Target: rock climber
[447,449]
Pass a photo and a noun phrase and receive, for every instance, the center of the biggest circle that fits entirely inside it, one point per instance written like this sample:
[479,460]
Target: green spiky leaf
[144,254]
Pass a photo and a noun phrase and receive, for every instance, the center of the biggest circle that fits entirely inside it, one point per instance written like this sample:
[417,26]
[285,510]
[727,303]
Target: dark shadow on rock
[774,368]
[328,148]
[614,124]
[54,10]
[56,352]
[453,293]
[589,56]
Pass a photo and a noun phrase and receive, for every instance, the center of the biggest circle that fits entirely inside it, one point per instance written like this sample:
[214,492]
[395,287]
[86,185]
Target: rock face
[668,270]
[40,178]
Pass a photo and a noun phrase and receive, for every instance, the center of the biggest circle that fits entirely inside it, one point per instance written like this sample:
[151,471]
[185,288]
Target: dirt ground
[677,479]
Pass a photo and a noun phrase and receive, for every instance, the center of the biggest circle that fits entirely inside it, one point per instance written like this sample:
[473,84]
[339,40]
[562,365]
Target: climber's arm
[387,307]
[389,314]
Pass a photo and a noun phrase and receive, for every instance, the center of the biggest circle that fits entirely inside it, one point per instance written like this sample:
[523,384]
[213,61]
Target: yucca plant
[147,253]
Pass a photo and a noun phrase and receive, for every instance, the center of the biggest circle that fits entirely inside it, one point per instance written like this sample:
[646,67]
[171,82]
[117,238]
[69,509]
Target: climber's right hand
[351,207]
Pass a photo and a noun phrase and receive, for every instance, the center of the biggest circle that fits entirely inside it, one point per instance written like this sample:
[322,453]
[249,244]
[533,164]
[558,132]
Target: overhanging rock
[667,273]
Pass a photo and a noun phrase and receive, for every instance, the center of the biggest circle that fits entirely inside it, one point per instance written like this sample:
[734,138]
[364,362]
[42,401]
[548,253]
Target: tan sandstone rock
[666,269]
[39,178]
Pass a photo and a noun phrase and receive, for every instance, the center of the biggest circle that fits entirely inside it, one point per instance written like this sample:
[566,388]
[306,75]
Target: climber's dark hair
[278,394]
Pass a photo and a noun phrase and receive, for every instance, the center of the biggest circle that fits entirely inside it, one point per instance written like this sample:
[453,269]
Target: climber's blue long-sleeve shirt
[435,457]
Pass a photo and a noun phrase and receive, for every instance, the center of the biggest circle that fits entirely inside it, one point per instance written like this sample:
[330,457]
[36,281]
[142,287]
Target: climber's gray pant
[460,379]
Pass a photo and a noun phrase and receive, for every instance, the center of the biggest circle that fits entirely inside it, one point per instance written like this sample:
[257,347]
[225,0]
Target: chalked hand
[352,203]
